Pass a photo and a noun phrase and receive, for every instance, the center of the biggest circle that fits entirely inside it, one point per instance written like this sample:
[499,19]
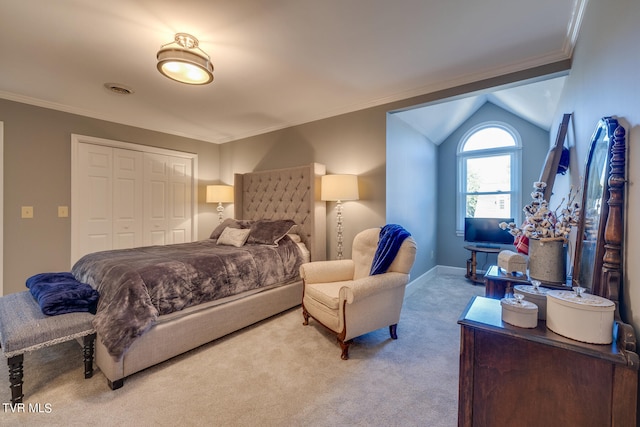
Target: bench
[24,328]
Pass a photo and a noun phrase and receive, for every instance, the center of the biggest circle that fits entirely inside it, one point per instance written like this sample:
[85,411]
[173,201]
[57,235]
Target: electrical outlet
[63,211]
[27,212]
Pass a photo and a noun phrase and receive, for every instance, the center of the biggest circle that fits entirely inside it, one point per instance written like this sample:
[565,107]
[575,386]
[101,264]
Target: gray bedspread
[138,285]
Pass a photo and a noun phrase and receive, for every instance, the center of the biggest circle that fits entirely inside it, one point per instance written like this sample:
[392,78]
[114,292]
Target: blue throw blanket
[391,238]
[60,293]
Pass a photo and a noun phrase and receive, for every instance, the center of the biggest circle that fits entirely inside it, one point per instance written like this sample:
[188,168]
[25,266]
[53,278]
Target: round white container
[523,314]
[587,318]
[538,297]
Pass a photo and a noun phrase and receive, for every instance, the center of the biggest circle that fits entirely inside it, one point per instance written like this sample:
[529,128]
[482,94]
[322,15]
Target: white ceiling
[277,63]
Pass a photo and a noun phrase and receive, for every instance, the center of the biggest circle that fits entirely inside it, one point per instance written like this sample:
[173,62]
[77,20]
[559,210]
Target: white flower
[541,222]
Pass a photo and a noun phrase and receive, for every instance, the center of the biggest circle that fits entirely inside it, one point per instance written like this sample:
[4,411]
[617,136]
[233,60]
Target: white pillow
[233,236]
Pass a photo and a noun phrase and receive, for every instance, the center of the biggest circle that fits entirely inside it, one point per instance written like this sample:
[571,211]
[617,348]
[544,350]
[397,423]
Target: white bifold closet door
[127,198]
[167,200]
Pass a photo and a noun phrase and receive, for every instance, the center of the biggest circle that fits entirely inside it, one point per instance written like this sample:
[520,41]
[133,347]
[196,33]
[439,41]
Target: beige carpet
[275,373]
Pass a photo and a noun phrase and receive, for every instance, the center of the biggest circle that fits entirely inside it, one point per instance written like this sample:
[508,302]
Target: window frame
[515,153]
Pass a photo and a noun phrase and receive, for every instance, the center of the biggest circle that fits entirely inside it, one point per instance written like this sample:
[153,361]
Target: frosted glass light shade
[219,194]
[182,60]
[339,187]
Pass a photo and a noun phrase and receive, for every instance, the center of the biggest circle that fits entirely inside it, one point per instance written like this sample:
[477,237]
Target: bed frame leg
[16,377]
[87,351]
[114,385]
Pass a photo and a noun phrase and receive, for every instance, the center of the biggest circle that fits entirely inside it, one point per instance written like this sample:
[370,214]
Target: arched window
[488,173]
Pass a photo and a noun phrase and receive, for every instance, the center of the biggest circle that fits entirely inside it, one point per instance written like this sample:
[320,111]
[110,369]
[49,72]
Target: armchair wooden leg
[344,345]
[393,331]
[306,316]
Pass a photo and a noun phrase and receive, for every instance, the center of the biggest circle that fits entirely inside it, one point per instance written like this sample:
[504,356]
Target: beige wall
[37,172]
[352,144]
[37,163]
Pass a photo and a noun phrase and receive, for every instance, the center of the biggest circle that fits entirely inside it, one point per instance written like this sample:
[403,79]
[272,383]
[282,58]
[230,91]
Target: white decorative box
[521,313]
[587,318]
[512,262]
[538,296]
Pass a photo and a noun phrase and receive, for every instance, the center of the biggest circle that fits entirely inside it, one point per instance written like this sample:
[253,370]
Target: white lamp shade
[219,194]
[339,187]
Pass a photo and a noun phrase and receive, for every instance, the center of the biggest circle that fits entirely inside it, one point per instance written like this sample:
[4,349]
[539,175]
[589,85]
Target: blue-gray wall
[604,82]
[535,145]
[412,188]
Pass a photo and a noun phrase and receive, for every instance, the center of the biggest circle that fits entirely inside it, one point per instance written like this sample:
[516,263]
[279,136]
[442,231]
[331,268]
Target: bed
[270,197]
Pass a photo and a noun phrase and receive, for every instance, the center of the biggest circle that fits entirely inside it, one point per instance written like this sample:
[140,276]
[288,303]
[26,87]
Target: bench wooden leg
[88,342]
[16,378]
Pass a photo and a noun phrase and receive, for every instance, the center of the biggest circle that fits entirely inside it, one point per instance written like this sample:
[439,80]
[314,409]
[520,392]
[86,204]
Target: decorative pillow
[269,232]
[231,223]
[233,236]
[294,237]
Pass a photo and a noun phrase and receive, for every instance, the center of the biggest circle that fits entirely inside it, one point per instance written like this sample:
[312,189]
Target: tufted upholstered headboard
[292,193]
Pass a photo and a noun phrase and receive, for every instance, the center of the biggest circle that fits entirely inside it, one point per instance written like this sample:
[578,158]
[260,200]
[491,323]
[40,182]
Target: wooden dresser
[512,376]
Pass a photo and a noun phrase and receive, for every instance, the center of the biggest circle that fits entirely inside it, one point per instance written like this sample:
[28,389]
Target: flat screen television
[486,232]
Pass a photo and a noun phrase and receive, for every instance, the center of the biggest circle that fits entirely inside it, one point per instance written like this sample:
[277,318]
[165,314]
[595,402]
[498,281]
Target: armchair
[344,298]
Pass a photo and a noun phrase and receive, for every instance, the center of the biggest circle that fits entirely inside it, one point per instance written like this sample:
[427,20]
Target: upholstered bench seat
[24,328]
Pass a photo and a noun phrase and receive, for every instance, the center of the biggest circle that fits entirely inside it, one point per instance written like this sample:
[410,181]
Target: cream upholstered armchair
[347,300]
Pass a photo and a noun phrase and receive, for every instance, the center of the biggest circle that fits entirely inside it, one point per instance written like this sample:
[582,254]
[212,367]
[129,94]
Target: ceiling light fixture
[183,61]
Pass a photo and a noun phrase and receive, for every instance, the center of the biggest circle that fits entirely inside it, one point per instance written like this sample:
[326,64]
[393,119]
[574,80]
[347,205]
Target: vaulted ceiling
[535,102]
[277,63]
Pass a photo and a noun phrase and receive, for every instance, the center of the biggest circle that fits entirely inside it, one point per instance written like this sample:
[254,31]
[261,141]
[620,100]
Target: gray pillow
[269,232]
[229,222]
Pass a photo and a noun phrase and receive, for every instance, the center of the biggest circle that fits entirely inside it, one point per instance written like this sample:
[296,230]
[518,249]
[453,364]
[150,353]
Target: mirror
[599,232]
[550,168]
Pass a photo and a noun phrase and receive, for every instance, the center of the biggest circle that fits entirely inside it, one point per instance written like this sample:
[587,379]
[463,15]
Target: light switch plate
[27,212]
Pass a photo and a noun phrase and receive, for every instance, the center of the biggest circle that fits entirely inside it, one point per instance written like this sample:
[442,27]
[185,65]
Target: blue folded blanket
[391,238]
[60,293]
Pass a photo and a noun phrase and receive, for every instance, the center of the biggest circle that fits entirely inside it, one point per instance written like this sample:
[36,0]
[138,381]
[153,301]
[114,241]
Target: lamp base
[339,227]
[220,209]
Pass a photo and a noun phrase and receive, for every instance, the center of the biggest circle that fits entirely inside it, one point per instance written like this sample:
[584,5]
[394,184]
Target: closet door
[127,198]
[156,190]
[127,195]
[167,199]
[180,200]
[95,212]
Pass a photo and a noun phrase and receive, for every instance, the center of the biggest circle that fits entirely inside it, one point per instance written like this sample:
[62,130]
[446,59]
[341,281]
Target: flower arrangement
[541,222]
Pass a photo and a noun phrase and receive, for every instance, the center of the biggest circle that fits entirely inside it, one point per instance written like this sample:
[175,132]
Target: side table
[472,262]
[499,283]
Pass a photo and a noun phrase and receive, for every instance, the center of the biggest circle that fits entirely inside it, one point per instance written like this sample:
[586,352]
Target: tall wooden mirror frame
[598,256]
[550,167]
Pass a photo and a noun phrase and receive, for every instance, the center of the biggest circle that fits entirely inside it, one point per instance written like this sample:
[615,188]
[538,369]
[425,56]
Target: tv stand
[486,245]
[472,262]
